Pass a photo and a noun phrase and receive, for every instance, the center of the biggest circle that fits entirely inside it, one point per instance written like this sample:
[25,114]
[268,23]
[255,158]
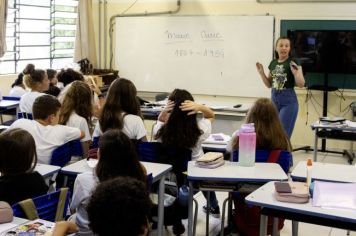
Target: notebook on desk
[326,119]
[218,138]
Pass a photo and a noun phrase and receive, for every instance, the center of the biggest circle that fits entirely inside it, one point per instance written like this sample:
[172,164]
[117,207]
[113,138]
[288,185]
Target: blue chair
[63,154]
[159,153]
[52,206]
[95,143]
[24,115]
[262,155]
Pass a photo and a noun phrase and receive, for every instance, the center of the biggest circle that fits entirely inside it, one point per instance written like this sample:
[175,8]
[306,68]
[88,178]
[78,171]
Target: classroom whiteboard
[212,55]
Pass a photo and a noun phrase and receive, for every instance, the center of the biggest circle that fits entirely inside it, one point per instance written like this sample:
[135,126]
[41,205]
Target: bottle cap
[309,162]
[248,128]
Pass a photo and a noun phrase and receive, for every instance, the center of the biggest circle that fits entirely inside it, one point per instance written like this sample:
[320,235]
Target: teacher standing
[283,76]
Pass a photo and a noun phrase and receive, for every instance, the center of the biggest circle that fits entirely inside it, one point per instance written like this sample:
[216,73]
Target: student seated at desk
[44,128]
[120,206]
[117,157]
[18,87]
[65,78]
[122,111]
[178,126]
[270,134]
[77,111]
[18,160]
[53,89]
[38,82]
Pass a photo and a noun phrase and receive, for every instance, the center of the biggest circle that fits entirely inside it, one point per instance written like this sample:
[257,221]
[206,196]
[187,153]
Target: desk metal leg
[294,228]
[207,213]
[190,209]
[315,144]
[275,226]
[160,206]
[223,215]
[263,225]
[65,181]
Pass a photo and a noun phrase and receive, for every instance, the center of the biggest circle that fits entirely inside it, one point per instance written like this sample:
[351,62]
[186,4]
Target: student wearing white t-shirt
[117,157]
[122,111]
[18,87]
[45,130]
[77,111]
[178,126]
[38,82]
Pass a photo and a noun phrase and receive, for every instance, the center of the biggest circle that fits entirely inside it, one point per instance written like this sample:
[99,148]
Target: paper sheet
[334,195]
[218,138]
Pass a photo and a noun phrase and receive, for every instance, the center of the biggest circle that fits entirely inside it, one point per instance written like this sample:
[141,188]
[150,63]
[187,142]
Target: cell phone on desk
[282,187]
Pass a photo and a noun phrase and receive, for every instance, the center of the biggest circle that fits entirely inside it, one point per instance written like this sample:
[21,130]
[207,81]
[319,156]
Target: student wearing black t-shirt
[18,158]
[283,76]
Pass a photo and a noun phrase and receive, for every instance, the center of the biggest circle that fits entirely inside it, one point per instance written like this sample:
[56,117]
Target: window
[41,32]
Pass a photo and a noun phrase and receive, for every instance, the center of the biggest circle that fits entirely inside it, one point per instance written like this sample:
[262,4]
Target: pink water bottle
[247,145]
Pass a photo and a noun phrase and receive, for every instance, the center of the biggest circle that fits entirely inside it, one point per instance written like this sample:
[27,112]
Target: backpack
[247,217]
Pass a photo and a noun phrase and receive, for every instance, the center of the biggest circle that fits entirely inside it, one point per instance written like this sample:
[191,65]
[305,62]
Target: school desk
[6,105]
[326,172]
[333,131]
[158,171]
[264,197]
[228,177]
[47,170]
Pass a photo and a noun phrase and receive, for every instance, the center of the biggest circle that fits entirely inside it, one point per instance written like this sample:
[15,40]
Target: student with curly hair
[38,82]
[18,158]
[117,157]
[77,111]
[122,111]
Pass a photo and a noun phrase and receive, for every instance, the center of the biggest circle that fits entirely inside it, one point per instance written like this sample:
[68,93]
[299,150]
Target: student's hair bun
[29,69]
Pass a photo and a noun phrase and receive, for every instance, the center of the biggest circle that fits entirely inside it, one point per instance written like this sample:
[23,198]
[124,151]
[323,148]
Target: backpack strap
[61,204]
[29,208]
[274,156]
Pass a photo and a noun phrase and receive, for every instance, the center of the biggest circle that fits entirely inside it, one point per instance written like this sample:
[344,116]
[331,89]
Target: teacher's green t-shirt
[282,76]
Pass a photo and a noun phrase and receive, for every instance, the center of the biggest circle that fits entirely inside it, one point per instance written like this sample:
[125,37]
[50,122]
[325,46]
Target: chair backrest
[52,206]
[159,153]
[262,155]
[11,98]
[24,115]
[95,143]
[63,154]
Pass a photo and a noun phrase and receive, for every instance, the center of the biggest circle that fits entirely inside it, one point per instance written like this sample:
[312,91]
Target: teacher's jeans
[286,103]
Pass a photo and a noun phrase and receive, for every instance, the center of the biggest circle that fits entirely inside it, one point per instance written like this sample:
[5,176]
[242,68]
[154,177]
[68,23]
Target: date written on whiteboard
[216,53]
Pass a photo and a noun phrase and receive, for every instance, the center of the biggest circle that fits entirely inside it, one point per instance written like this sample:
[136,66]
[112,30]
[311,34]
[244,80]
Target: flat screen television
[325,51]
